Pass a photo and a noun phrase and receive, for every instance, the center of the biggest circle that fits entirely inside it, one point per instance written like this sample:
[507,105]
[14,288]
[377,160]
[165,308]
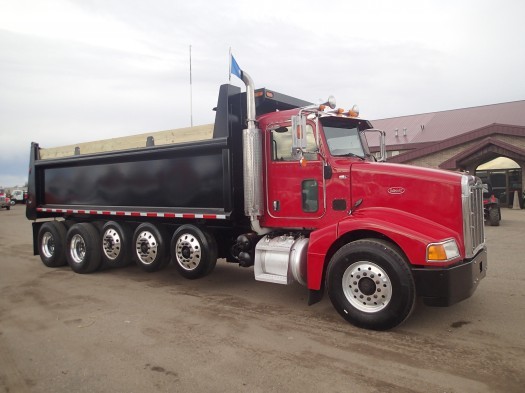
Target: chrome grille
[473,222]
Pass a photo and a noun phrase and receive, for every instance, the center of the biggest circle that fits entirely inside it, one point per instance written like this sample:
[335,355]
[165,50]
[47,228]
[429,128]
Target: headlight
[443,251]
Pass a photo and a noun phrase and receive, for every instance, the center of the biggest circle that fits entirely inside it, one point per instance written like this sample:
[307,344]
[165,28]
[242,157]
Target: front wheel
[370,284]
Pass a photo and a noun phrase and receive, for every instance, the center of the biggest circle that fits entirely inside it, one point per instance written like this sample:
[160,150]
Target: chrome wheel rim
[188,252]
[367,287]
[77,249]
[147,247]
[111,244]
[48,245]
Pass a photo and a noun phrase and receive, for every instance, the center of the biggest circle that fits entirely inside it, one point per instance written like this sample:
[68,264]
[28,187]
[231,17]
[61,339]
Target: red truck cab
[379,234]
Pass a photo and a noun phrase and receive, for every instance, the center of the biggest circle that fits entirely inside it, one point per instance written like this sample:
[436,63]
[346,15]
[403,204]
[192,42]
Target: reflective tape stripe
[135,214]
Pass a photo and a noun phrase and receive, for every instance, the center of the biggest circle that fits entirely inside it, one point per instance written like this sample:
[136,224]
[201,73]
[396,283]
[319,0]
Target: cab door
[294,193]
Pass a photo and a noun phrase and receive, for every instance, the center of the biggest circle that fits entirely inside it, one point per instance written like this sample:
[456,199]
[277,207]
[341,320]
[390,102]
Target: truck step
[273,278]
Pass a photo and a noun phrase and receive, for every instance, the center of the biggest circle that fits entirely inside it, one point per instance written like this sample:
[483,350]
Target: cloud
[72,71]
[14,171]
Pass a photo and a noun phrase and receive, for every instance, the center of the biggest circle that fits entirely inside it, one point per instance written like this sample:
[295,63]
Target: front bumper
[445,286]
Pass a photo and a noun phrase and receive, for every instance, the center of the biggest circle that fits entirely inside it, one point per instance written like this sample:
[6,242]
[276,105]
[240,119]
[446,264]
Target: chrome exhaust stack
[253,161]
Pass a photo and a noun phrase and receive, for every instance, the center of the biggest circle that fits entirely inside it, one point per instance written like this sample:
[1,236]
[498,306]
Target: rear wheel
[52,244]
[193,251]
[116,244]
[83,248]
[370,284]
[150,247]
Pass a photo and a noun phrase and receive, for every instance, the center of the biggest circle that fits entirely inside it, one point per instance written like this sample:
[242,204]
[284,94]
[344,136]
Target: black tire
[52,244]
[370,284]
[494,217]
[116,244]
[8,207]
[150,247]
[193,251]
[83,248]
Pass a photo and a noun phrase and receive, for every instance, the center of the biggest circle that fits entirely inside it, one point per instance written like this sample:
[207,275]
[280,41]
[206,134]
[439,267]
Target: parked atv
[491,206]
[4,200]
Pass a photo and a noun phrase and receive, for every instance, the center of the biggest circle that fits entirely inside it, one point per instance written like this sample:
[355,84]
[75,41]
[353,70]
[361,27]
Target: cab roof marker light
[443,251]
[354,112]
[329,103]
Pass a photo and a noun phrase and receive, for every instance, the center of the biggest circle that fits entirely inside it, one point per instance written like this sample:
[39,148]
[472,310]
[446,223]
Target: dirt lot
[128,331]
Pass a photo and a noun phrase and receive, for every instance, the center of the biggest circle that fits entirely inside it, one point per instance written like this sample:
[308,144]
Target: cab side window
[282,144]
[310,195]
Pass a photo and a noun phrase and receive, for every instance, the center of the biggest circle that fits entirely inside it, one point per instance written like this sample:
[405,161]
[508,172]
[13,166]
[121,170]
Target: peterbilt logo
[396,190]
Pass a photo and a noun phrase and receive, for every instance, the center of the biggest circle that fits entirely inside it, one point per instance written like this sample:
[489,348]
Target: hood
[429,193]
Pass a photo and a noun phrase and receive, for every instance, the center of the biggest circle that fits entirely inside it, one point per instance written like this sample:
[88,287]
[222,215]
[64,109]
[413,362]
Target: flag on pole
[234,68]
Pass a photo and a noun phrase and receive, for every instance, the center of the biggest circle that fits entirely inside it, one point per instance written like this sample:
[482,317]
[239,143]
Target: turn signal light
[437,252]
[442,252]
[303,161]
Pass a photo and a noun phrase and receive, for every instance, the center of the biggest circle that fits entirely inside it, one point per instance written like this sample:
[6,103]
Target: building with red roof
[462,140]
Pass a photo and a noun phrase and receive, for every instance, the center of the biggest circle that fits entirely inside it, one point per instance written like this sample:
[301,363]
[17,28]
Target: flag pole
[230,65]
[191,94]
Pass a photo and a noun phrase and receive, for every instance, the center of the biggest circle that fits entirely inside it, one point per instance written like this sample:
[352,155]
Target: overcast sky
[80,70]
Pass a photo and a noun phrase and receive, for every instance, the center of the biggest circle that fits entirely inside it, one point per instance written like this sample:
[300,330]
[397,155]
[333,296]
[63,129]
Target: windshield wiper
[349,155]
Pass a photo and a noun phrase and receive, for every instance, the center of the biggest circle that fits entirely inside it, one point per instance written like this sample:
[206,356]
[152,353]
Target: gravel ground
[128,331]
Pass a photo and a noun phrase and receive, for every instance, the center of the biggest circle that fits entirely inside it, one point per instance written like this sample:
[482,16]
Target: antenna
[191,94]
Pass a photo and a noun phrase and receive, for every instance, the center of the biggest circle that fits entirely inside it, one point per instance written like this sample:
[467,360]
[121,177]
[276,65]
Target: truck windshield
[343,138]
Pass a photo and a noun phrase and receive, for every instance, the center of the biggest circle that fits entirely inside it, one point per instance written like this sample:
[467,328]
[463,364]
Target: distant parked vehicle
[5,201]
[17,196]
[491,206]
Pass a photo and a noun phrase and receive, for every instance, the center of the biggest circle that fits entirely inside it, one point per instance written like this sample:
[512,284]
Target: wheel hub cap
[78,249]
[188,251]
[111,244]
[48,245]
[147,247]
[367,286]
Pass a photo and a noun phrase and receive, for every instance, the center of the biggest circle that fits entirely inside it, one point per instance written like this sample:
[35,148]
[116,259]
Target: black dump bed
[202,179]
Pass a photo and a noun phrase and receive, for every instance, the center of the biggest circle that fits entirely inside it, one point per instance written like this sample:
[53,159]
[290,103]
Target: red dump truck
[283,186]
